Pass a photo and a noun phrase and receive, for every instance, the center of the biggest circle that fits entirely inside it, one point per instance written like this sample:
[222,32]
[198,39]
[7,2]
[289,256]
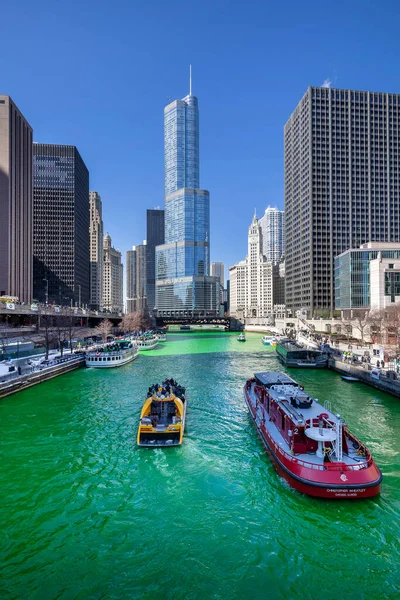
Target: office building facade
[130,270]
[155,237]
[184,286]
[273,236]
[16,266]
[113,278]
[61,225]
[368,277]
[136,278]
[217,270]
[96,251]
[342,186]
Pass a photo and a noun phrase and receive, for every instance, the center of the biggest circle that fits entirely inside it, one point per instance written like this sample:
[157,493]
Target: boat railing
[114,353]
[332,467]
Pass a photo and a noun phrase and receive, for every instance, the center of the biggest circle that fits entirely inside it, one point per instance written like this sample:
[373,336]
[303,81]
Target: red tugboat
[310,447]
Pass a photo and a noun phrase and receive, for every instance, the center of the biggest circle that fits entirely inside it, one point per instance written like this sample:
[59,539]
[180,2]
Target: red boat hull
[336,484]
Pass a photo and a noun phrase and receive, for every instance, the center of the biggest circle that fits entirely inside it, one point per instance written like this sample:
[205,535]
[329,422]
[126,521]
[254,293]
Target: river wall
[386,382]
[20,383]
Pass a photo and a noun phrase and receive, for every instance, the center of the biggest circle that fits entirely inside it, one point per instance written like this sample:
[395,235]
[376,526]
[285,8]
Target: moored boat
[292,354]
[310,446]
[241,338]
[162,420]
[111,355]
[162,335]
[269,340]
[147,342]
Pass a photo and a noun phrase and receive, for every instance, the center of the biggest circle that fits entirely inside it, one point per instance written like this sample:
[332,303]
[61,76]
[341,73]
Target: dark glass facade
[155,237]
[61,219]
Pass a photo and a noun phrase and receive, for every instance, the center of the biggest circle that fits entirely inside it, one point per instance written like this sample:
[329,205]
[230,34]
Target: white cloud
[327,83]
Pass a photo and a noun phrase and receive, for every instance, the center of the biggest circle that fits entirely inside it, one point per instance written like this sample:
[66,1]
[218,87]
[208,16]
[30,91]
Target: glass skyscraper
[273,237]
[184,286]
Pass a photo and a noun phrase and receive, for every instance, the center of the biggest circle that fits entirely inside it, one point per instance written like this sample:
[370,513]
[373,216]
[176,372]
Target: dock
[386,382]
[23,382]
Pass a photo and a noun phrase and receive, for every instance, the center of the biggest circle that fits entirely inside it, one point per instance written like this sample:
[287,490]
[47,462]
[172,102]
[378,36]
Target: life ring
[323,416]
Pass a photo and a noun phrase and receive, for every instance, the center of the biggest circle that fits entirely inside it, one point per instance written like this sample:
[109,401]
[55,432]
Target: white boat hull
[104,363]
[144,347]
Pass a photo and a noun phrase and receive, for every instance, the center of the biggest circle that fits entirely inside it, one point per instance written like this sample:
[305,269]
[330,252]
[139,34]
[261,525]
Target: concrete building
[113,278]
[61,225]
[96,251]
[217,270]
[255,285]
[342,186]
[155,236]
[136,278]
[368,277]
[131,280]
[15,202]
[184,286]
[273,236]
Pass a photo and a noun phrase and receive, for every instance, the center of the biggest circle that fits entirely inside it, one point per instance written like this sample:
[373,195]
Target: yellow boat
[162,420]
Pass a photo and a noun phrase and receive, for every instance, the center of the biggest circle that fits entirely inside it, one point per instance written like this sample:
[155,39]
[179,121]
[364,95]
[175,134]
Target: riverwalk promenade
[28,375]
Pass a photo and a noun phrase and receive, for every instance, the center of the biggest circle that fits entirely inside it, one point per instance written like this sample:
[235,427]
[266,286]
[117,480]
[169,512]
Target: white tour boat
[112,355]
[269,340]
[147,342]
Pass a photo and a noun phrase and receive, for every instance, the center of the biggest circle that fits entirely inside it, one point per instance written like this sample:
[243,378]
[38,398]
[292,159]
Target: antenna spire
[190,81]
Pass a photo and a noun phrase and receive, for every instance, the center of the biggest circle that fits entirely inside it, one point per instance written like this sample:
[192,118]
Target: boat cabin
[295,414]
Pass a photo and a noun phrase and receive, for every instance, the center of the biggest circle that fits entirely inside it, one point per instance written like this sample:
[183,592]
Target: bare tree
[375,323]
[46,322]
[69,319]
[392,322]
[104,329]
[60,331]
[135,321]
[361,322]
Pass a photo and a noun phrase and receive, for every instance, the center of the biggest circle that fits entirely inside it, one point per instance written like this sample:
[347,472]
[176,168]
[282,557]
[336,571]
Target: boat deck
[300,416]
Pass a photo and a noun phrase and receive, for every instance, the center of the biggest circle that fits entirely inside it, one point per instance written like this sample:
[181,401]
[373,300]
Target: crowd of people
[168,387]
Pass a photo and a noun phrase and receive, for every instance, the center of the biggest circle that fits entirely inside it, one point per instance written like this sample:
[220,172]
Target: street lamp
[79,300]
[47,291]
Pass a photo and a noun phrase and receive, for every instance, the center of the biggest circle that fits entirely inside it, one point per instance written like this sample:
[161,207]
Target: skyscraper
[136,278]
[61,222]
[342,186]
[217,270]
[155,237]
[15,202]
[113,278]
[272,231]
[183,285]
[131,280]
[96,251]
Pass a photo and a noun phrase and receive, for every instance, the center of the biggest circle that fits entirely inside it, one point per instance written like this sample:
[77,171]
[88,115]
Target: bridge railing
[16,308]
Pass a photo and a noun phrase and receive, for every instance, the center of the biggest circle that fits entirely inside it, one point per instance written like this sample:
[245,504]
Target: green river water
[85,514]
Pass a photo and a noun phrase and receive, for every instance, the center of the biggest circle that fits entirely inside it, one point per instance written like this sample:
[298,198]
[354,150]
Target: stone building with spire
[255,282]
[113,278]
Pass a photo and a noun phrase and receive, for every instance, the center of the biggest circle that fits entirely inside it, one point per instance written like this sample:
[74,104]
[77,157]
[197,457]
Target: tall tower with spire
[184,286]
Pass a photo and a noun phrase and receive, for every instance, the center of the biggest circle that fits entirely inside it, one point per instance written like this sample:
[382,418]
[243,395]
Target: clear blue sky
[97,75]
